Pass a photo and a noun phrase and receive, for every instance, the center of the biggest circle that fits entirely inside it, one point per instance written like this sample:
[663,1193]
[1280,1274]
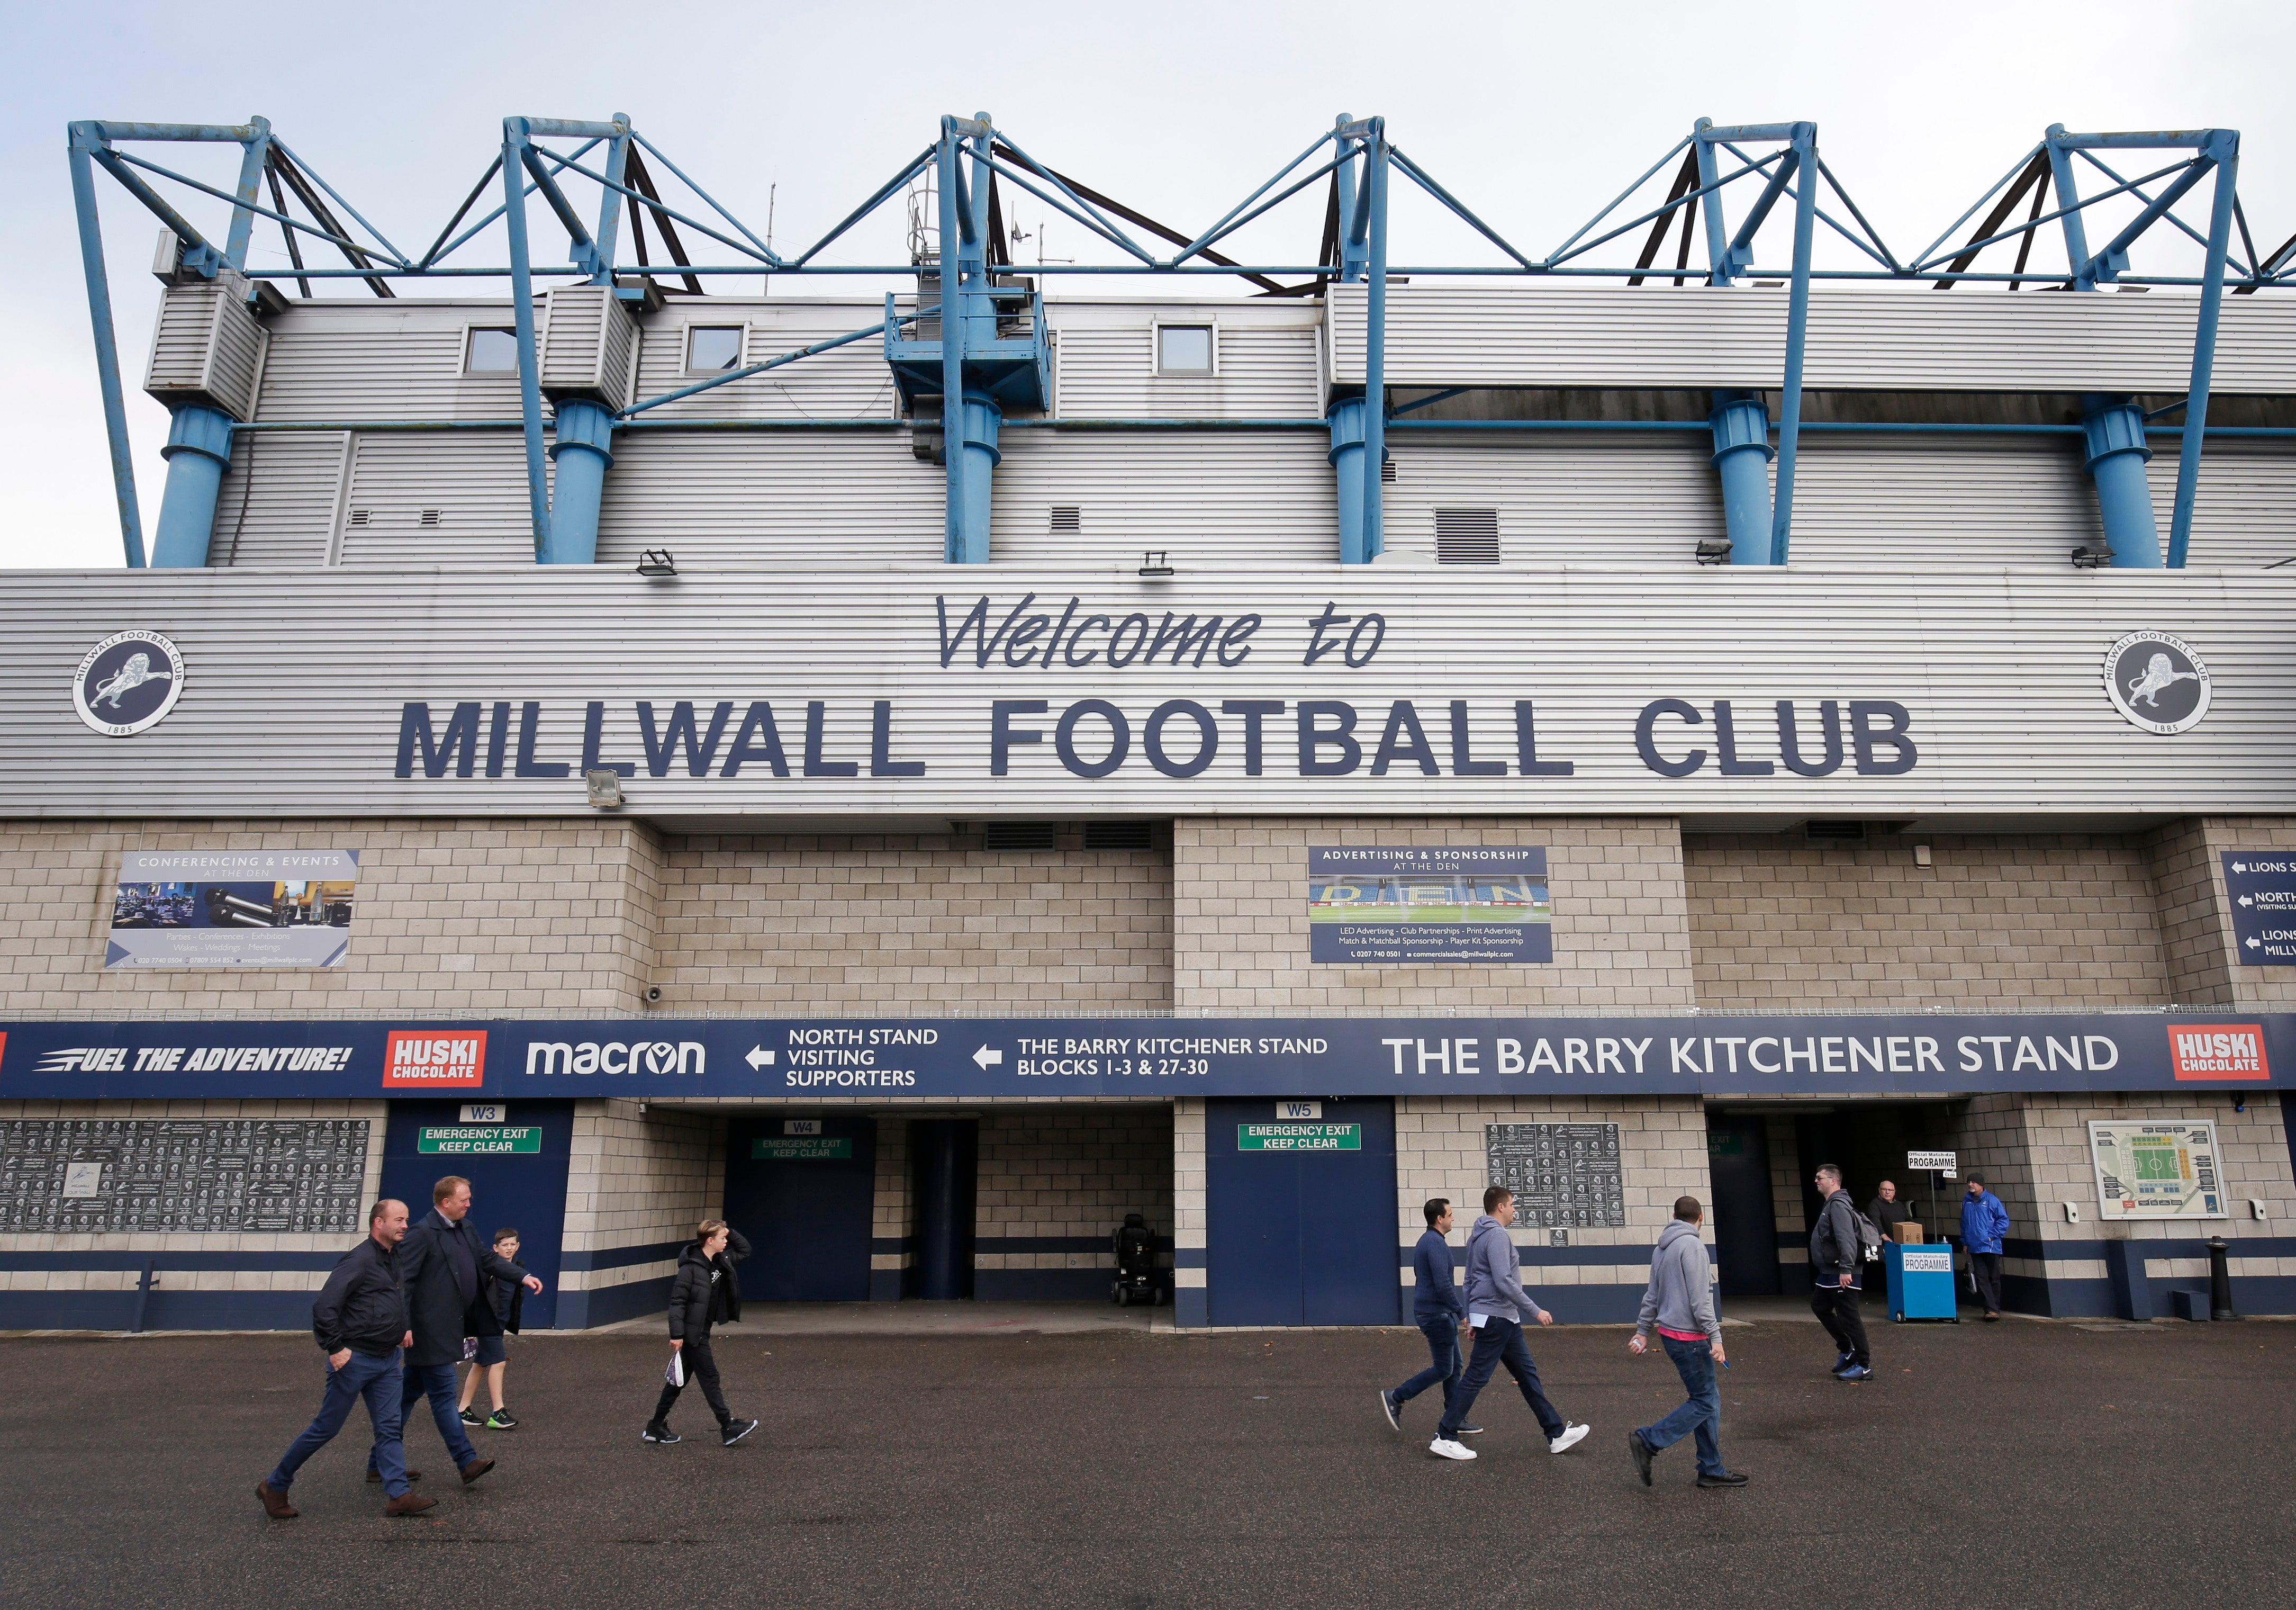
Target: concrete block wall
[1792,1217]
[912,923]
[1190,1219]
[1241,930]
[220,1281]
[641,1175]
[1993,924]
[1440,1150]
[1054,1186]
[451,916]
[891,1247]
[2204,962]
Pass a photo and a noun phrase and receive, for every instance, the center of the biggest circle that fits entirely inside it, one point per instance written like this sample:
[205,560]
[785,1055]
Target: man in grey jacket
[1497,1307]
[1680,1305]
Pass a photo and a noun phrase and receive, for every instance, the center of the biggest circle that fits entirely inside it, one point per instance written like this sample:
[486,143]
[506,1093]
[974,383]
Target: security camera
[653,994]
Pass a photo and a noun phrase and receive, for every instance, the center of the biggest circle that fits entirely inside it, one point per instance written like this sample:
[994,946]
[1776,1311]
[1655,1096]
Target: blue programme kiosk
[1920,1281]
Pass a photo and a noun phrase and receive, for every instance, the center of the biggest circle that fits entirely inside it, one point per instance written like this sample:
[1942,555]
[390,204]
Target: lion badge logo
[128,682]
[2157,683]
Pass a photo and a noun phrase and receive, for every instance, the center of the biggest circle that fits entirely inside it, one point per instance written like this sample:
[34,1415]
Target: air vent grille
[430,517]
[1834,832]
[1020,837]
[1067,518]
[359,516]
[1387,472]
[1467,536]
[1118,835]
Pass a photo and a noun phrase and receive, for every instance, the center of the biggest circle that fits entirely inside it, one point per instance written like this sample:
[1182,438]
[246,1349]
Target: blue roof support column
[2222,145]
[1375,418]
[2113,430]
[582,453]
[1806,179]
[198,452]
[952,351]
[1346,457]
[1718,227]
[84,138]
[522,292]
[1740,421]
[255,151]
[2068,194]
[980,416]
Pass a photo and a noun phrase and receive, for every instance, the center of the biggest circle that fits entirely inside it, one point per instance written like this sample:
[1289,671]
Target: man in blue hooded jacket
[1984,1222]
[1439,1312]
[1497,1307]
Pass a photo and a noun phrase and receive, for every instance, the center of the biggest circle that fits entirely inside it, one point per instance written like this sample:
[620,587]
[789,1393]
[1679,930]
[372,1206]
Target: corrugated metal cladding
[588,344]
[206,347]
[401,359]
[1998,672]
[1880,339]
[845,382]
[449,498]
[281,501]
[1267,362]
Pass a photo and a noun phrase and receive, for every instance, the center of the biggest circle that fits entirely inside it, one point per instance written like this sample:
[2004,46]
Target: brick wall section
[1071,1174]
[889,1204]
[639,1178]
[912,923]
[1995,924]
[211,1280]
[450,917]
[1239,918]
[2203,960]
[1440,1150]
[1189,1221]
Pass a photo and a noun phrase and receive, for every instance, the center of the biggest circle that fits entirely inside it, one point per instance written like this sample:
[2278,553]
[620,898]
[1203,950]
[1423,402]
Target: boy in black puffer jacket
[705,1293]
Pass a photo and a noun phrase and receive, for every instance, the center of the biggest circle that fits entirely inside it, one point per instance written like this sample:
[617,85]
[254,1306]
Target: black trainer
[1642,1453]
[656,1432]
[471,1417]
[733,1431]
[1728,1478]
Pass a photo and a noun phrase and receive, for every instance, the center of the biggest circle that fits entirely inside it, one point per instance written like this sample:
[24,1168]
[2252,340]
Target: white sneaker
[1450,1450]
[1572,1436]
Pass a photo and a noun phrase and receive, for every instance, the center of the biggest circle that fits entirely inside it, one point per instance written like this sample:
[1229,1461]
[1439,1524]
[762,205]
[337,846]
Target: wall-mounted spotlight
[1713,550]
[657,563]
[605,788]
[2091,556]
[1155,563]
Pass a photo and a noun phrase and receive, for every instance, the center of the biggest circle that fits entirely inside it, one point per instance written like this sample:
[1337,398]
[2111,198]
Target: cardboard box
[1909,1234]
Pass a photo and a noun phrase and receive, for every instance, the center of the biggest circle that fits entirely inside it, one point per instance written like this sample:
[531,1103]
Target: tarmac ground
[2032,1465]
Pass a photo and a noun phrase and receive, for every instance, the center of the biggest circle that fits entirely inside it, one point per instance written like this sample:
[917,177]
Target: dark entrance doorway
[522,1189]
[802,1191]
[1746,1217]
[1301,1237]
[945,1177]
[1869,1141]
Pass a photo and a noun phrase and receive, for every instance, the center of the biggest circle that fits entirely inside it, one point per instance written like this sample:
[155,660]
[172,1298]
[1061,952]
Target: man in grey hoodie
[1497,1307]
[1680,1304]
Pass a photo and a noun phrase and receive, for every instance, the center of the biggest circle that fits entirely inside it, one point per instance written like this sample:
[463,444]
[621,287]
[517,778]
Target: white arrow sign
[2240,866]
[988,1058]
[2254,943]
[758,1057]
[2246,901]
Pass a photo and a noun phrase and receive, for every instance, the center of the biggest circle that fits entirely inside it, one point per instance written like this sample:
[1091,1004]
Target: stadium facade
[608,741]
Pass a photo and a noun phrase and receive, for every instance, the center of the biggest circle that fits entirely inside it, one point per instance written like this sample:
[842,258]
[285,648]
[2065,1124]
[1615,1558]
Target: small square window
[492,352]
[1184,349]
[712,348]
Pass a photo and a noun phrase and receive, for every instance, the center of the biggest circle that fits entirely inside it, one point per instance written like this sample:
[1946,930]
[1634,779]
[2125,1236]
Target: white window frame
[470,334]
[1156,348]
[685,342]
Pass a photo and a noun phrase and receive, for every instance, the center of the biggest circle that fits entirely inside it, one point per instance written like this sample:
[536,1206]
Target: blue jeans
[1499,1342]
[374,1376]
[1442,1333]
[1702,1414]
[437,1382]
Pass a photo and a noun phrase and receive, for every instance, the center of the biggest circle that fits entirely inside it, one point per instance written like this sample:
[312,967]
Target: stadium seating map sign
[2157,1171]
[1564,1175]
[233,908]
[1428,905]
[199,1176]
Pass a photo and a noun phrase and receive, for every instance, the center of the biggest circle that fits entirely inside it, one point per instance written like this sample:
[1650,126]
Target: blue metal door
[1301,1237]
[526,1190]
[803,1191]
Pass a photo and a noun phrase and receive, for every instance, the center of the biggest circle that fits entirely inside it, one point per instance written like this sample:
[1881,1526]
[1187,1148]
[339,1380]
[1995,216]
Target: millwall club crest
[2156,682]
[129,682]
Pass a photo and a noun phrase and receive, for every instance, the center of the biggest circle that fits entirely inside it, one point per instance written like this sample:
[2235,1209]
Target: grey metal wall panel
[1915,506]
[823,501]
[845,382]
[1560,500]
[1204,497]
[401,359]
[476,481]
[279,501]
[1882,338]
[1107,367]
[2244,516]
[1997,670]
[206,347]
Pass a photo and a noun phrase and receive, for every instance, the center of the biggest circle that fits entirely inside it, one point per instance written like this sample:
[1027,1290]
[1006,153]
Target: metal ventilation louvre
[1118,835]
[1387,472]
[1066,517]
[1466,536]
[1022,837]
[1835,831]
[430,517]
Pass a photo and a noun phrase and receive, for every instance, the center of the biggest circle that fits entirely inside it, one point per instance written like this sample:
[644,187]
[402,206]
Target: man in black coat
[360,1323]
[706,1292]
[441,1262]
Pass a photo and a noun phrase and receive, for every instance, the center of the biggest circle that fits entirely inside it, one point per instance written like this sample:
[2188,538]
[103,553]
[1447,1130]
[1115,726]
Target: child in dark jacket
[505,1298]
[705,1293]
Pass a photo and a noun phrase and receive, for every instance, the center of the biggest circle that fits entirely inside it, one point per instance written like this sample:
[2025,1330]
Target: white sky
[1534,114]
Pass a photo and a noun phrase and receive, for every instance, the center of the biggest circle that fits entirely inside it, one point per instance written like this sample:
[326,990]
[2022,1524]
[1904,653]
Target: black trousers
[1985,1269]
[1837,1308]
[700,1366]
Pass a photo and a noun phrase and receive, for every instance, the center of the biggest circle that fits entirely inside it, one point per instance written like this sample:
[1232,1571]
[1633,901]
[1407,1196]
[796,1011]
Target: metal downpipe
[198,452]
[2113,429]
[1740,421]
[582,453]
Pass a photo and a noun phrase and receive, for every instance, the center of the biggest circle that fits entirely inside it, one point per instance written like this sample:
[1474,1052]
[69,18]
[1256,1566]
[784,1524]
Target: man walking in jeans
[1680,1305]
[1435,1305]
[1837,1254]
[1497,1307]
[360,1320]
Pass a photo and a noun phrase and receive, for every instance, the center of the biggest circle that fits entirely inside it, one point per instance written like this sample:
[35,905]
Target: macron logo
[2219,1051]
[417,1058]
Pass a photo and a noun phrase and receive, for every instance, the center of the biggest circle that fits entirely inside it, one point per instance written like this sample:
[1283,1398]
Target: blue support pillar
[1804,170]
[2113,430]
[521,293]
[1740,421]
[583,454]
[1348,476]
[198,452]
[978,444]
[1717,228]
[2223,147]
[1375,418]
[87,137]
